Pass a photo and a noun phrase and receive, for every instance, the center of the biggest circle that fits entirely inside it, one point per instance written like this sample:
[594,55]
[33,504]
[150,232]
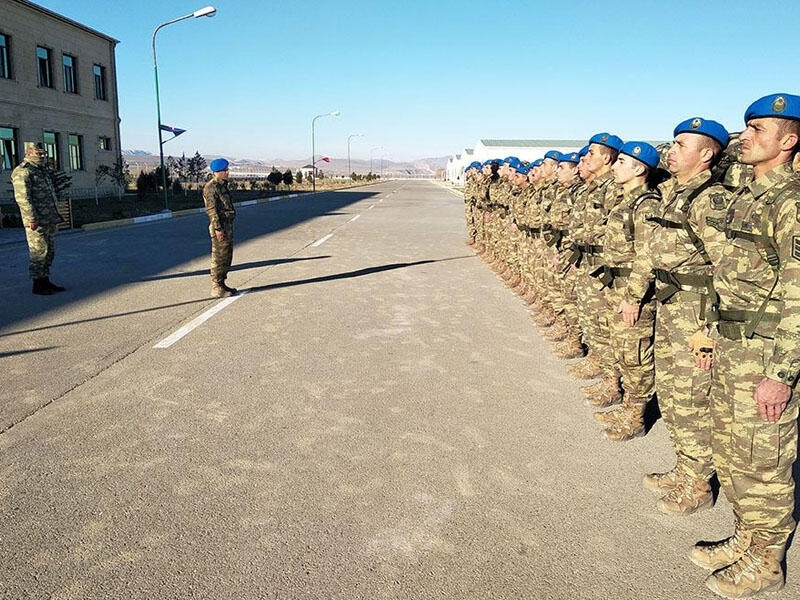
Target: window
[5,57]
[44,66]
[51,146]
[75,143]
[70,74]
[105,143]
[99,82]
[8,149]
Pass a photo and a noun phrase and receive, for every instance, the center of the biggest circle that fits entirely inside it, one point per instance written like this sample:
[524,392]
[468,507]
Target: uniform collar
[758,187]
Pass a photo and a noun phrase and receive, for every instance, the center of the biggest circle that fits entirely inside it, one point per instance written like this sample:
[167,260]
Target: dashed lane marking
[196,322]
[321,240]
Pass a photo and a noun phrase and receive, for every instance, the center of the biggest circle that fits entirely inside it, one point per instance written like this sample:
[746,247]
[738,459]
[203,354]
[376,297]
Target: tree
[147,182]
[275,177]
[196,166]
[299,178]
[118,174]
[180,167]
[288,178]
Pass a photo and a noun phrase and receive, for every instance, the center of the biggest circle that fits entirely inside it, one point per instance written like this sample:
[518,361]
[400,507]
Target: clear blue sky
[427,78]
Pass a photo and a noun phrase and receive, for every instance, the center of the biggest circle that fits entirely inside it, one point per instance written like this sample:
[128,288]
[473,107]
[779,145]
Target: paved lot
[377,417]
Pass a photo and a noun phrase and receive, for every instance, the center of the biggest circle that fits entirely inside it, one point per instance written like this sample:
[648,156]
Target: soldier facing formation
[674,275]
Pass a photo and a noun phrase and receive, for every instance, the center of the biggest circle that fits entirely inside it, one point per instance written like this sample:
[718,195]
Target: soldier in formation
[221,213]
[674,275]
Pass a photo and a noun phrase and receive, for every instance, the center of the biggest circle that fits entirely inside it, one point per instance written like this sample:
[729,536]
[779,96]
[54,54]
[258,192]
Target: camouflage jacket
[627,229]
[219,206]
[601,196]
[517,200]
[559,214]
[35,194]
[684,242]
[481,191]
[576,215]
[763,226]
[498,194]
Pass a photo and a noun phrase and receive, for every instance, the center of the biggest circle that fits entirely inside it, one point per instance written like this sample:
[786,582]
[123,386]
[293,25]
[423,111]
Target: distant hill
[336,166]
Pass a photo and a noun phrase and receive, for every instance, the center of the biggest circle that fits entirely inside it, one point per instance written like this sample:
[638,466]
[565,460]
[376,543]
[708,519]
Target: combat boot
[41,288]
[558,332]
[663,483]
[758,570]
[630,424]
[546,317]
[609,417]
[691,495]
[718,555]
[225,287]
[603,394]
[569,348]
[53,286]
[219,291]
[587,369]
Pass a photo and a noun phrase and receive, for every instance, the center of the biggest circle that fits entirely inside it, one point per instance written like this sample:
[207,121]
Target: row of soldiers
[675,273]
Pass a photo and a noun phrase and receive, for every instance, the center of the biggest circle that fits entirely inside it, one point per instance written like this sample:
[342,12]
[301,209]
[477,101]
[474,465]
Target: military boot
[53,286]
[718,555]
[545,318]
[558,332]
[663,483]
[758,570]
[587,369]
[226,288]
[41,288]
[219,291]
[630,424]
[569,348]
[605,393]
[691,495]
[609,417]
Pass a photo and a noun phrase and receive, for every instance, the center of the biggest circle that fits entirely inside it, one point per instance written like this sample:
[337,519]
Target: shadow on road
[28,351]
[241,267]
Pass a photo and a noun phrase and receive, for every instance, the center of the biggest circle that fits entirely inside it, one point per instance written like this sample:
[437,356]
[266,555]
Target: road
[376,416]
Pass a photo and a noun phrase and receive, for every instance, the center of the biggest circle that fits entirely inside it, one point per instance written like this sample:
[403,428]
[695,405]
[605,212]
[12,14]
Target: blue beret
[218,164]
[474,165]
[553,154]
[584,151]
[570,157]
[537,163]
[523,169]
[705,127]
[608,140]
[512,161]
[778,106]
[491,161]
[641,151]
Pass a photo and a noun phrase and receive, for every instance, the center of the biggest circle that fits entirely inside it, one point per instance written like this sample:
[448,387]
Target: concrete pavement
[377,417]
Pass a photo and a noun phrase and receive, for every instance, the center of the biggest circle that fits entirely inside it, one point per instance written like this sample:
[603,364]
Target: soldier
[679,256]
[471,191]
[756,361]
[542,270]
[626,234]
[221,213]
[34,192]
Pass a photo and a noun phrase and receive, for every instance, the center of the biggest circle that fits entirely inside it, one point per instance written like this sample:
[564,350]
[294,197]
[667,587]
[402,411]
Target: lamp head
[206,11]
[335,113]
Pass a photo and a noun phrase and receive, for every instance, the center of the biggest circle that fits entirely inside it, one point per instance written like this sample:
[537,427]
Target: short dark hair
[788,127]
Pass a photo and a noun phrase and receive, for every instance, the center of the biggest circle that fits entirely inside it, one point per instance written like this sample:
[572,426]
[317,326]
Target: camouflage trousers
[632,346]
[569,293]
[471,215]
[593,308]
[753,458]
[683,389]
[221,253]
[41,248]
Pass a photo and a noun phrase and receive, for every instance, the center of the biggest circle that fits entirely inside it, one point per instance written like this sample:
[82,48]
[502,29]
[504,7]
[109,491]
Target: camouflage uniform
[35,194]
[753,457]
[221,213]
[471,215]
[679,256]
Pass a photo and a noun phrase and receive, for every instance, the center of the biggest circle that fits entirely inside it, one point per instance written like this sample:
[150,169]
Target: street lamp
[349,137]
[207,11]
[370,156]
[334,113]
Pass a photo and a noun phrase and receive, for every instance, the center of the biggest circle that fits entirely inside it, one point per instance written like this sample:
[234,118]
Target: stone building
[58,86]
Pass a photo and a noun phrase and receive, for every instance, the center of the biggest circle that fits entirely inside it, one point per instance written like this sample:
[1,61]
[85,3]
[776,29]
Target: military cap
[512,161]
[537,163]
[218,164]
[523,169]
[641,151]
[606,139]
[777,106]
[37,146]
[474,165]
[584,151]
[553,155]
[570,157]
[705,127]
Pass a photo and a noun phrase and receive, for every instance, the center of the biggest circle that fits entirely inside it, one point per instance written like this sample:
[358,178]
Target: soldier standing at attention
[220,212]
[757,358]
[35,194]
[679,257]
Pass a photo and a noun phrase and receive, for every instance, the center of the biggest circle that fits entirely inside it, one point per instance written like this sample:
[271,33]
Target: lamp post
[334,113]
[207,11]
[370,156]
[349,137]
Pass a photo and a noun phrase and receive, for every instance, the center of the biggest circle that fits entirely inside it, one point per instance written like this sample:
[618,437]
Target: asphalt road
[376,417]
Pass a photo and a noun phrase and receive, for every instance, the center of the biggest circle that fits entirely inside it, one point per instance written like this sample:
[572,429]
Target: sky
[429,78]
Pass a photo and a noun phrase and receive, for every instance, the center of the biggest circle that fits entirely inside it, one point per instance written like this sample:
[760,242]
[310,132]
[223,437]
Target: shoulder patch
[796,247]
[797,216]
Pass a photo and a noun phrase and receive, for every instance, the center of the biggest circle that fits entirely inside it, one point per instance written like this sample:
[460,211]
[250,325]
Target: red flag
[325,159]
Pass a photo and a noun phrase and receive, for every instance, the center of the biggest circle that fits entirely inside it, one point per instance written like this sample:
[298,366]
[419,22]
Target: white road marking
[354,218]
[322,240]
[186,329]
[371,206]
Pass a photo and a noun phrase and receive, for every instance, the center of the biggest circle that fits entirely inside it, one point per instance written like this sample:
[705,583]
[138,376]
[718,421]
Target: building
[58,86]
[526,150]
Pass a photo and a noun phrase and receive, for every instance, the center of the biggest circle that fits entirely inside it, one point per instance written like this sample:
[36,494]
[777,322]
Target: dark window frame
[70,73]
[54,158]
[44,67]
[77,153]
[100,87]
[9,153]
[5,57]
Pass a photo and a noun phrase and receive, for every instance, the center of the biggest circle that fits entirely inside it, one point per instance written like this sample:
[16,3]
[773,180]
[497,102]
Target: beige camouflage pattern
[753,457]
[221,212]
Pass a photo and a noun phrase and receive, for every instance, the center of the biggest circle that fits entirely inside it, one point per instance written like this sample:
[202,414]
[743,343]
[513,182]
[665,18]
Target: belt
[680,282]
[607,274]
[731,323]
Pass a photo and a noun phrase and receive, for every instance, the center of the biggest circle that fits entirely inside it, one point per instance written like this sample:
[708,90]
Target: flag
[325,159]
[176,131]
